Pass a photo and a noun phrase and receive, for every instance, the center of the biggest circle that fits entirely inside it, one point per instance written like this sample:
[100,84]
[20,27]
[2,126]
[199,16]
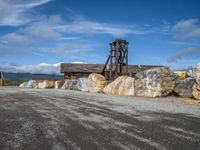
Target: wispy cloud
[76,48]
[15,38]
[182,54]
[15,12]
[42,29]
[187,29]
[56,28]
[92,28]
[62,35]
[54,35]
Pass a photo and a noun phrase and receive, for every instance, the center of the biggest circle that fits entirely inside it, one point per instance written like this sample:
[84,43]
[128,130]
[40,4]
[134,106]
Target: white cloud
[15,12]
[185,24]
[43,29]
[187,29]
[31,3]
[182,54]
[16,38]
[74,48]
[42,68]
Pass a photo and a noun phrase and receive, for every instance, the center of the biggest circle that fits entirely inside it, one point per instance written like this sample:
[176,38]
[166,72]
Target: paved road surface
[60,120]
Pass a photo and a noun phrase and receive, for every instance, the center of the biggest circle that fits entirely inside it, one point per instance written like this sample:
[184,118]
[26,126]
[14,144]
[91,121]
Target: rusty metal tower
[117,62]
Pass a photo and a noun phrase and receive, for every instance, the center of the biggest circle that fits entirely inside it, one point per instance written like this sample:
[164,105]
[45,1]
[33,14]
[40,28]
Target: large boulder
[96,83]
[70,85]
[184,87]
[59,84]
[196,91]
[155,82]
[82,84]
[46,84]
[38,83]
[123,85]
[31,84]
[66,84]
[23,85]
[74,85]
[198,73]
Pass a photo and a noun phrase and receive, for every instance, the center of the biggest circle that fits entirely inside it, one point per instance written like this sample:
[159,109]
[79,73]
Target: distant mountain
[29,76]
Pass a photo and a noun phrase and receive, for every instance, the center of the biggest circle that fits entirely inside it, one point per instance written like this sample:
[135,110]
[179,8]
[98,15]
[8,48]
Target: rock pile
[155,82]
[123,85]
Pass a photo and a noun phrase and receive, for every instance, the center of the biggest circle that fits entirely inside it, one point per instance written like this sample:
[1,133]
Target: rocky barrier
[156,82]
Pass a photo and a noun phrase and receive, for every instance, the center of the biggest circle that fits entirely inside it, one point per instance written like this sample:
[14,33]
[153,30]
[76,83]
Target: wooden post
[116,58]
[121,61]
[126,58]
[111,62]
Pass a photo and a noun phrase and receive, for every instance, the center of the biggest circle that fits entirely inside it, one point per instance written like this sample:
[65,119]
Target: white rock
[123,85]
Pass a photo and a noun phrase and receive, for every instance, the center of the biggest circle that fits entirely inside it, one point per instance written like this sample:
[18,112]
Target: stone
[184,87]
[46,84]
[196,91]
[38,83]
[155,82]
[66,84]
[123,85]
[82,84]
[198,73]
[74,85]
[96,83]
[23,85]
[31,84]
[70,85]
[49,83]
[59,84]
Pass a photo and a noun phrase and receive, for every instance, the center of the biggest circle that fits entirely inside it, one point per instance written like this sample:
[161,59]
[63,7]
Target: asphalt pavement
[52,119]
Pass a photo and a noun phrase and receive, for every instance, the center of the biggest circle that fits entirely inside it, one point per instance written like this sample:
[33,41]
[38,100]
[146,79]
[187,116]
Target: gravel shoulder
[60,119]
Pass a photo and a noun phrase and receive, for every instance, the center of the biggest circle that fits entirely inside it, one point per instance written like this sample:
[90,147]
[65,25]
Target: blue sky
[39,33]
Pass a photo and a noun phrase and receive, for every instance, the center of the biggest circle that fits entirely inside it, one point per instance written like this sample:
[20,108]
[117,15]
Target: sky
[37,35]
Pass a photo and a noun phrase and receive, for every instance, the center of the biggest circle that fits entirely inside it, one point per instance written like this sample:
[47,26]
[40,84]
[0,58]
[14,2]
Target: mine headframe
[117,62]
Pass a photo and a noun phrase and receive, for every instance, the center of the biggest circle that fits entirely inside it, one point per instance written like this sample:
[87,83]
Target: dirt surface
[60,119]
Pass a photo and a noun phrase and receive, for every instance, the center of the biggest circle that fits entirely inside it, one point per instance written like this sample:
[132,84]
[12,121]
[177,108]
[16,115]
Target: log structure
[75,71]
[117,62]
